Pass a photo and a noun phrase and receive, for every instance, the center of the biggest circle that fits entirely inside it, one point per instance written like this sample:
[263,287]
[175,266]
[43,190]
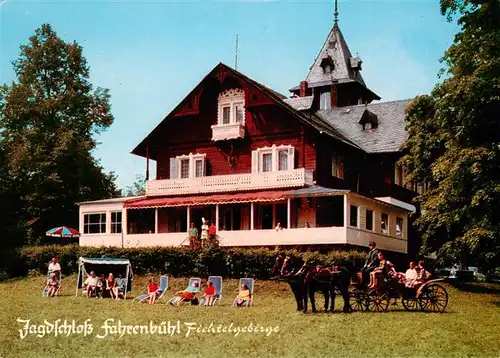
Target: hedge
[181,261]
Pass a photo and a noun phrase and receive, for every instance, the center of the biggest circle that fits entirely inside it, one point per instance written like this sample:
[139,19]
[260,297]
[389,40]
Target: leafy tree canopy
[49,119]
[137,188]
[454,143]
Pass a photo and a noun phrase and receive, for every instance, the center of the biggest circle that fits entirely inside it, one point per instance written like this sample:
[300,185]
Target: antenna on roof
[336,13]
[236,54]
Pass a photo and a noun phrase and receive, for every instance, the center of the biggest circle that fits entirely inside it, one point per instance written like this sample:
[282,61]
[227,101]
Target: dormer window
[325,100]
[369,120]
[327,65]
[231,107]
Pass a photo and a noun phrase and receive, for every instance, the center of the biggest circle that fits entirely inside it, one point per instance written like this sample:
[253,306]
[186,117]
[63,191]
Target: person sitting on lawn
[90,284]
[243,296]
[380,272]
[54,267]
[153,290]
[120,282]
[186,295]
[411,276]
[111,286]
[209,294]
[101,285]
[52,285]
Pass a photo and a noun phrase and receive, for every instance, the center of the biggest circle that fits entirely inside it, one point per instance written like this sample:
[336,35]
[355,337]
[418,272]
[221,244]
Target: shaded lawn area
[470,327]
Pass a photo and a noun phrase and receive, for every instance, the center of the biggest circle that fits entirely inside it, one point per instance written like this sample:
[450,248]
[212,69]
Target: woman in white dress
[204,232]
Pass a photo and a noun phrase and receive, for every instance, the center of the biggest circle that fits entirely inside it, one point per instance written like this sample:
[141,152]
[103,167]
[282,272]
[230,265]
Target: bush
[180,261]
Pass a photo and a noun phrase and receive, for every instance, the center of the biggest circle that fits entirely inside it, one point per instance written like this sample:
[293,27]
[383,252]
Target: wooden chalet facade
[247,158]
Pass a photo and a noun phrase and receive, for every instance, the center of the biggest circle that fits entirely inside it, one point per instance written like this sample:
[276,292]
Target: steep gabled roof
[388,136]
[279,99]
[335,52]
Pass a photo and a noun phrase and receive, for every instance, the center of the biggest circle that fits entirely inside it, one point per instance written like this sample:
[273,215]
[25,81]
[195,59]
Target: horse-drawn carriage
[430,296]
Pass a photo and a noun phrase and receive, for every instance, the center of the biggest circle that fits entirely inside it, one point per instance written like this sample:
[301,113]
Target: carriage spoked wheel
[433,298]
[411,303]
[377,301]
[357,300]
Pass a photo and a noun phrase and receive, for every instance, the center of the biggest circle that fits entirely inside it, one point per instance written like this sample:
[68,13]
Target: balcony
[228,131]
[229,183]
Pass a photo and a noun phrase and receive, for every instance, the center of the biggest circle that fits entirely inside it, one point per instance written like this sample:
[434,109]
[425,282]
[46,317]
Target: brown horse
[311,279]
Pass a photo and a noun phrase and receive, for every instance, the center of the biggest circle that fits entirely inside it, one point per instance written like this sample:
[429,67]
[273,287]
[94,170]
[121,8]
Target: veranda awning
[249,197]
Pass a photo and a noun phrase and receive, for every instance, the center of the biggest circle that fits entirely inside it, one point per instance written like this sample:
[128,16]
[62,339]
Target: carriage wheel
[377,301]
[433,298]
[357,300]
[411,304]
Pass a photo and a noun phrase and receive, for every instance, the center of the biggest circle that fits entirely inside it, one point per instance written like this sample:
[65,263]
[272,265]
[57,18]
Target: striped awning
[233,198]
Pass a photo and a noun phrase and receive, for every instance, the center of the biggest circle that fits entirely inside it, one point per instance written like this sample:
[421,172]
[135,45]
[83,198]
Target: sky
[151,54]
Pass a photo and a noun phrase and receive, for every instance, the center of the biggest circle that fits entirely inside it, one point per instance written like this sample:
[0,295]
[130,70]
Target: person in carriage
[381,271]
[371,263]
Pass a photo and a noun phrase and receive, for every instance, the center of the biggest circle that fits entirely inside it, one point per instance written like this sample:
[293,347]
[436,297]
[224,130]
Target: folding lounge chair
[217,282]
[250,284]
[191,281]
[163,289]
[45,291]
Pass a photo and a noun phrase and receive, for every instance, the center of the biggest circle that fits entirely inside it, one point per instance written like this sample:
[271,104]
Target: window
[267,162]
[184,168]
[369,220]
[283,159]
[272,159]
[337,166]
[399,227]
[353,221]
[325,100]
[231,107]
[384,223]
[226,115]
[116,222]
[198,168]
[94,223]
[187,166]
[399,174]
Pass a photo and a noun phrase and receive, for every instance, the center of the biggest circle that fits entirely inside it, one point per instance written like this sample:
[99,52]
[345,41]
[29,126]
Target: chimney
[333,94]
[303,88]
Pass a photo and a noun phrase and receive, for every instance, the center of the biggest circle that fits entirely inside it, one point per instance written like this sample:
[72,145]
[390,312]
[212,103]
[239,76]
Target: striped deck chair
[45,291]
[250,284]
[174,300]
[163,289]
[217,282]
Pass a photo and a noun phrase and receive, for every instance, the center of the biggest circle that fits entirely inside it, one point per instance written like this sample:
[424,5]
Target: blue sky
[150,54]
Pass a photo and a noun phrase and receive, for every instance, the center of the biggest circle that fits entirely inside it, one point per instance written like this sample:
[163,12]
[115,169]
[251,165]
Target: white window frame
[193,158]
[115,223]
[325,97]
[230,98]
[399,233]
[387,227]
[373,219]
[337,166]
[258,158]
[85,225]
[398,167]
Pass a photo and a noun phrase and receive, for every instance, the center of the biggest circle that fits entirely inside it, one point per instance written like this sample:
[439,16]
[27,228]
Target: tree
[49,120]
[137,188]
[454,143]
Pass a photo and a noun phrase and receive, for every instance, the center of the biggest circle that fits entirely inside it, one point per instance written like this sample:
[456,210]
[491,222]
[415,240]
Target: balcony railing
[229,183]
[228,131]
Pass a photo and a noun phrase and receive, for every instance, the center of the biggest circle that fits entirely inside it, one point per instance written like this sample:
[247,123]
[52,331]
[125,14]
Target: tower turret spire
[336,13]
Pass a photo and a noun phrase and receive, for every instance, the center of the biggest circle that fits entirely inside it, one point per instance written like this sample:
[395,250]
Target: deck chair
[163,289]
[250,284]
[45,291]
[194,300]
[217,281]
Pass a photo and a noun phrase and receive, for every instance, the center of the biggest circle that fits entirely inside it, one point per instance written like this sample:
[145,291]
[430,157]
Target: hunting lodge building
[247,158]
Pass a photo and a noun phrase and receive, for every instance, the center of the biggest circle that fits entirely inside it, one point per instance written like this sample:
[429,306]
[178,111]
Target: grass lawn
[470,327]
